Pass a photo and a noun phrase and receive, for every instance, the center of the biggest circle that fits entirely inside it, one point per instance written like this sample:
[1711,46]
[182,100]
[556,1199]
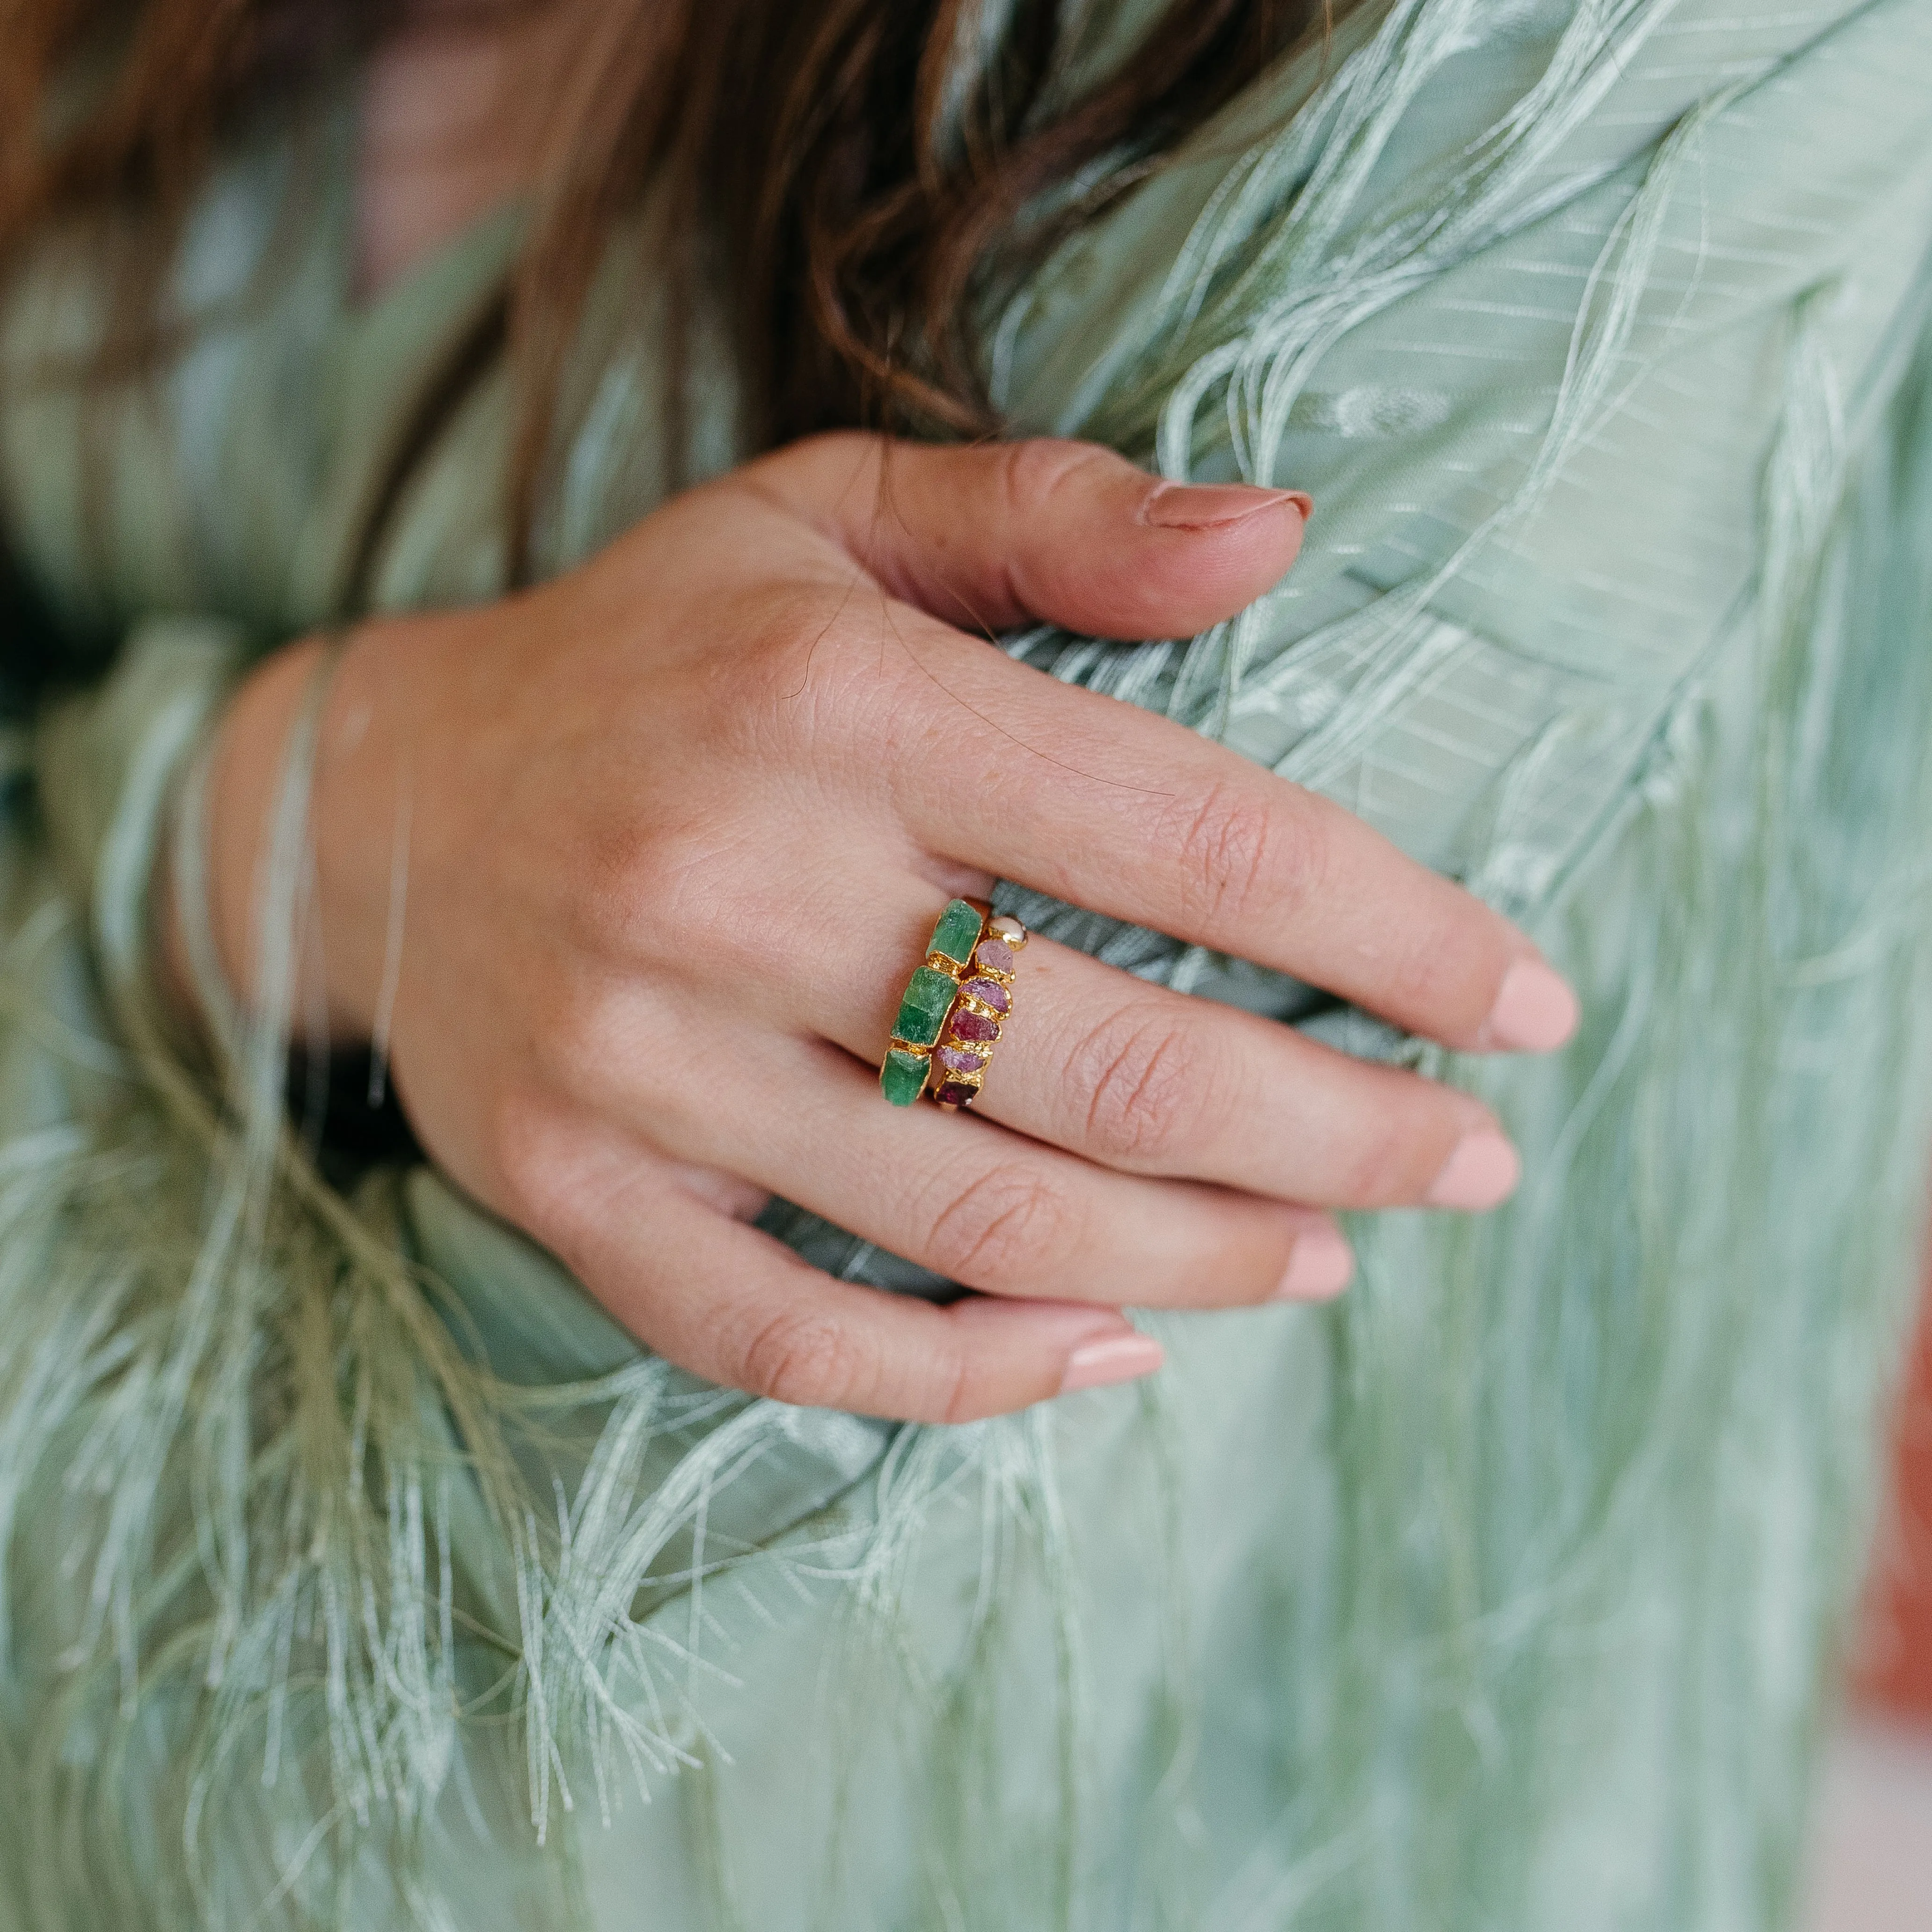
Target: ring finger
[1147,1080]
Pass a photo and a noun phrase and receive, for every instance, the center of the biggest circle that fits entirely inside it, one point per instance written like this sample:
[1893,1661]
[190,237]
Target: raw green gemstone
[902,1079]
[957,931]
[929,998]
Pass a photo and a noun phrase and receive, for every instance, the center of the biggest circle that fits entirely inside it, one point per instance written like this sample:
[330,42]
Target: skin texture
[679,823]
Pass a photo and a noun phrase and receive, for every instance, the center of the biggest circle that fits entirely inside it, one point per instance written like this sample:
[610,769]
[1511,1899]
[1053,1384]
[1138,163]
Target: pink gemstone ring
[972,1031]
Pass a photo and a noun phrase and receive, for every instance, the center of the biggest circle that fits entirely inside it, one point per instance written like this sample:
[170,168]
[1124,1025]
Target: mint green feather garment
[359,1572]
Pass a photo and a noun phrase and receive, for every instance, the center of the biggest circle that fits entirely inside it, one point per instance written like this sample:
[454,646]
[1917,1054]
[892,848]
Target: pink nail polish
[1119,1358]
[1218,506]
[1535,1011]
[1319,1265]
[1482,1171]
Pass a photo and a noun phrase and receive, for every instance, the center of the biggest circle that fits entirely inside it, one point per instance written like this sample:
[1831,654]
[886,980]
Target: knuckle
[1239,858]
[623,1049]
[591,1042]
[779,670]
[1032,472]
[534,1173]
[638,882]
[805,1358]
[1149,1086]
[618,866]
[570,1038]
[825,666]
[772,622]
[683,896]
[1011,1221]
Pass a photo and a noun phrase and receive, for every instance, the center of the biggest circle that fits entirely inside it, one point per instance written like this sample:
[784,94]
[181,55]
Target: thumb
[994,535]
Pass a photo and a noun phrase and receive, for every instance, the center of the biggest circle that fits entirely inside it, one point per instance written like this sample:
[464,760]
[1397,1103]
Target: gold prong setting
[963,1050]
[930,996]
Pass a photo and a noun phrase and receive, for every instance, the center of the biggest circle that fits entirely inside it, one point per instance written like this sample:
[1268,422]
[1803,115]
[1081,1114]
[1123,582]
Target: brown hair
[849,198]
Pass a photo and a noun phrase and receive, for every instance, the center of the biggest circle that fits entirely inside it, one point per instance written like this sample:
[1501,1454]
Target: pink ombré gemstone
[955,1094]
[957,1060]
[990,992]
[996,954]
[975,1026]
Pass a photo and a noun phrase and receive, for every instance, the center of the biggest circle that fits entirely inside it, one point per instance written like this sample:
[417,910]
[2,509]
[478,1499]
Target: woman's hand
[680,824]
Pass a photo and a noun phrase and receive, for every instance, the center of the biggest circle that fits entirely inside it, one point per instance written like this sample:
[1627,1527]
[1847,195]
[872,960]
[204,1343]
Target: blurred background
[1872,1863]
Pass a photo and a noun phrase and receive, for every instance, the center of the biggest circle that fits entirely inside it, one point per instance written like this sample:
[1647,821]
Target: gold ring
[928,1001]
[965,1048]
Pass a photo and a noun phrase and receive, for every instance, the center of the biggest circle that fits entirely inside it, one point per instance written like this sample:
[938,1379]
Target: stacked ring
[973,1027]
[928,1001]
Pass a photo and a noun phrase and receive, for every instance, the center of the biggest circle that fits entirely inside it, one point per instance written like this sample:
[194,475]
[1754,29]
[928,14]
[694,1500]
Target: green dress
[359,1571]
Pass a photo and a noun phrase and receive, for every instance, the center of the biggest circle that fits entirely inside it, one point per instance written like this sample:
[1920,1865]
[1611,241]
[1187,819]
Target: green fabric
[1500,1595]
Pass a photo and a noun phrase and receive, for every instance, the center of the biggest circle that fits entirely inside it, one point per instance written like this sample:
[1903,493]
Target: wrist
[358,789]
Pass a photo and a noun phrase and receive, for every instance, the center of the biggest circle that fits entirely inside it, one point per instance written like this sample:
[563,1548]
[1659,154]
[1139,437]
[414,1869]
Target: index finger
[1111,808]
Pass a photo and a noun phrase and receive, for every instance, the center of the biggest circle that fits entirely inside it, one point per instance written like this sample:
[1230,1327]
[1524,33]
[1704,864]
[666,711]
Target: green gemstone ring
[927,1000]
[950,1015]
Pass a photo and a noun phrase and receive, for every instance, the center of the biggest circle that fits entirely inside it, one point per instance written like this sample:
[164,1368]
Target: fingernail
[1319,1266]
[1535,1011]
[1119,1358]
[1217,506]
[1483,1170]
